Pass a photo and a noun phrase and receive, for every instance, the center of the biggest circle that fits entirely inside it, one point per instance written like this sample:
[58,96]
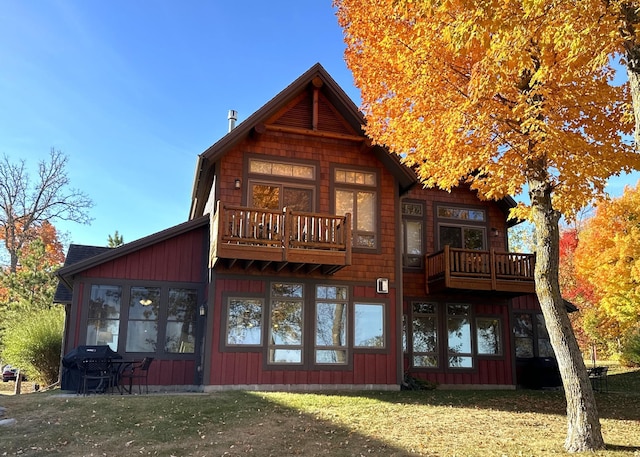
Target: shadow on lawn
[229,423]
[620,402]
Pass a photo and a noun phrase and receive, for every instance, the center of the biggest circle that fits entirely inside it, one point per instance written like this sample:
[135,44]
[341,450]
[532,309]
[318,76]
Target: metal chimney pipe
[233,117]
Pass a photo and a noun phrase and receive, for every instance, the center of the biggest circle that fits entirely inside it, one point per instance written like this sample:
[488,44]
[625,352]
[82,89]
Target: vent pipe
[233,117]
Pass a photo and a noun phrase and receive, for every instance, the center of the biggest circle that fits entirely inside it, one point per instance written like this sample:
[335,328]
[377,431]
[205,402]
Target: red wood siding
[179,259]
[248,368]
[526,303]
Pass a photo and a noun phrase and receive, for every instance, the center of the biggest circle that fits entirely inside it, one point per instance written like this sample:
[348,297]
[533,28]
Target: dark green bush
[630,356]
[33,342]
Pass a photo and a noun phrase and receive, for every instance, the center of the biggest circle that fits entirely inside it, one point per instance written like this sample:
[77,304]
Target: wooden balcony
[469,270]
[262,238]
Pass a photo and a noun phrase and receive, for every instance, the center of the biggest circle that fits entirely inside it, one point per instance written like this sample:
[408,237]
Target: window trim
[462,223]
[334,186]
[422,220]
[224,319]
[126,286]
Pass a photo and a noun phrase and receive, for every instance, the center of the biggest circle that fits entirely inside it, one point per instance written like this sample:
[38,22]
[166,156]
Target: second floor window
[356,193]
[463,228]
[412,234]
[276,185]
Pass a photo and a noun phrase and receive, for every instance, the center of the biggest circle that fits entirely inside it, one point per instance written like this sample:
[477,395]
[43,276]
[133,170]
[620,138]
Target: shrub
[33,342]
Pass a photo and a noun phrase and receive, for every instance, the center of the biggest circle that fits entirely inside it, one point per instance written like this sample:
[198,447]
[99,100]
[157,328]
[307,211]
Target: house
[313,259]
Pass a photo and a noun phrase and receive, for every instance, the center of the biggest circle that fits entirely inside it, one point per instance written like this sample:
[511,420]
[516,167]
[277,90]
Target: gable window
[180,335]
[277,185]
[103,323]
[463,228]
[412,234]
[286,324]
[331,325]
[356,193]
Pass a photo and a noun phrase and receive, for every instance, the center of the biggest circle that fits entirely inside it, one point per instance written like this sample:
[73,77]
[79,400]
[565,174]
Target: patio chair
[139,371]
[598,377]
[96,376]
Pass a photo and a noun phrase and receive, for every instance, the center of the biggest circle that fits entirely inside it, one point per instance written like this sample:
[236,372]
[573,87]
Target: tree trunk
[633,73]
[583,433]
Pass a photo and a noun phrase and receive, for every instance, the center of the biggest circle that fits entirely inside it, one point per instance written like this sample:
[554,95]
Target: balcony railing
[468,269]
[282,238]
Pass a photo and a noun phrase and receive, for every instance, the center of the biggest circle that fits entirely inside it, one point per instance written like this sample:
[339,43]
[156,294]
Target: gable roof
[76,253]
[319,77]
[67,272]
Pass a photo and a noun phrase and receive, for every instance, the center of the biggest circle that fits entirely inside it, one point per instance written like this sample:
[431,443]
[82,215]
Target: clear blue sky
[133,91]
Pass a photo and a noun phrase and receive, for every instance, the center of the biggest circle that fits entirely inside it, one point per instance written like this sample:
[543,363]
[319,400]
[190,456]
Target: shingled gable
[318,77]
[67,272]
[76,253]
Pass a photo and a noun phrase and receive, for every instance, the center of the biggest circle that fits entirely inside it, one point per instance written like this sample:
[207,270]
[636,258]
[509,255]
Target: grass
[407,423]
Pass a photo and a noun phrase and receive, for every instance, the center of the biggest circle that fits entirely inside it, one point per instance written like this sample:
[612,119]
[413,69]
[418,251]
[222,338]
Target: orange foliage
[492,93]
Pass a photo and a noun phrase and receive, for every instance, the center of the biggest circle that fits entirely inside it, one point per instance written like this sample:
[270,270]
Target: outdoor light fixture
[382,285]
[494,231]
[203,310]
[237,184]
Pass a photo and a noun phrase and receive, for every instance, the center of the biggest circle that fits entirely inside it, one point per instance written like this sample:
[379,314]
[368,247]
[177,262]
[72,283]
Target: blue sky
[133,91]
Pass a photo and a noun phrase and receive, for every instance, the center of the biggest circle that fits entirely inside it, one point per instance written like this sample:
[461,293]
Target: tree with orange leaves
[607,259]
[491,94]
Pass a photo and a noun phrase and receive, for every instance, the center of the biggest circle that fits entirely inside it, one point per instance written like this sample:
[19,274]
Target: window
[489,336]
[369,325]
[462,228]
[286,324]
[331,325]
[531,337]
[356,193]
[180,336]
[244,322]
[465,338]
[298,194]
[459,336]
[412,234]
[142,328]
[157,319]
[103,322]
[425,335]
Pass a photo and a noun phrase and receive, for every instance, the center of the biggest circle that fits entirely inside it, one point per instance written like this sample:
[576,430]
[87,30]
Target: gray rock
[6,422]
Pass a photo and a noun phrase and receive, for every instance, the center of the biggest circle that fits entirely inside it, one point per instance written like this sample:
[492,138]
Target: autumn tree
[492,96]
[26,205]
[606,258]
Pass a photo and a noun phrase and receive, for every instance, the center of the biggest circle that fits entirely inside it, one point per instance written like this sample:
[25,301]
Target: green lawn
[433,423]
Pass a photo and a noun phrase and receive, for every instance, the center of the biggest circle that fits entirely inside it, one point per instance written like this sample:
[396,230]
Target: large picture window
[445,335]
[286,324]
[156,319]
[356,193]
[531,337]
[103,320]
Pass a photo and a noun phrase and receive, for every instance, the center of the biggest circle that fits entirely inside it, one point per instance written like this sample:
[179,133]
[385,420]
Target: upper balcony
[280,238]
[470,270]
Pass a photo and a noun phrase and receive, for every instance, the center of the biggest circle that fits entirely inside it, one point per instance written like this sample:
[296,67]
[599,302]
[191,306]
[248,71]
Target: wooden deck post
[492,268]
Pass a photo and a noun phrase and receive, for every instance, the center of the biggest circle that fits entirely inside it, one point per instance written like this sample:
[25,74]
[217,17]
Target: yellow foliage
[607,257]
[487,91]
